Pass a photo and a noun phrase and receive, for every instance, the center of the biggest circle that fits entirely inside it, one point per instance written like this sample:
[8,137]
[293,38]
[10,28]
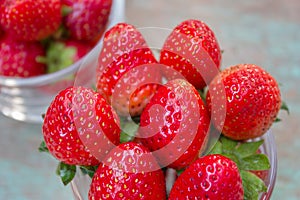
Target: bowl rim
[117,15]
[272,175]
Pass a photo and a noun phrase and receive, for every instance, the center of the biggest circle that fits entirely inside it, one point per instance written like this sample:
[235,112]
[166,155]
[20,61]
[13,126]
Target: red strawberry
[87,18]
[30,19]
[127,73]
[193,51]
[251,102]
[210,177]
[1,29]
[174,124]
[19,59]
[77,126]
[129,172]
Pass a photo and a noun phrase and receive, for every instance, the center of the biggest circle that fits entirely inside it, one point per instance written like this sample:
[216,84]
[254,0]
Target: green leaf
[217,148]
[277,120]
[66,10]
[228,144]
[233,157]
[129,130]
[248,148]
[136,119]
[66,172]
[284,106]
[43,147]
[255,162]
[252,185]
[203,93]
[179,171]
[89,170]
[59,56]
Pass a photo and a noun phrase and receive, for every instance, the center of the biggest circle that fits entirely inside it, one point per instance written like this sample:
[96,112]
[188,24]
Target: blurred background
[263,32]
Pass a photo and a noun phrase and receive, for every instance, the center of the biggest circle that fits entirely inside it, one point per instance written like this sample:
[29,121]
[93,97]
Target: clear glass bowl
[80,184]
[26,99]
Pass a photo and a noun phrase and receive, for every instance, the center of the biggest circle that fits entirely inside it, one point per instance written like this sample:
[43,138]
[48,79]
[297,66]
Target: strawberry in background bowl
[37,62]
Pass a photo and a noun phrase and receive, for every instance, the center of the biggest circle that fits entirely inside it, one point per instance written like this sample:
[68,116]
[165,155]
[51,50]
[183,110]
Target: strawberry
[77,126]
[251,99]
[30,19]
[19,58]
[191,51]
[174,124]
[128,172]
[127,74]
[209,177]
[86,19]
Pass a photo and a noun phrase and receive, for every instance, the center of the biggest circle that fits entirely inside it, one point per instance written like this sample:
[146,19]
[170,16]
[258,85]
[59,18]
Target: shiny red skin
[127,74]
[124,177]
[193,51]
[209,177]
[87,19]
[30,19]
[19,58]
[170,115]
[73,126]
[252,101]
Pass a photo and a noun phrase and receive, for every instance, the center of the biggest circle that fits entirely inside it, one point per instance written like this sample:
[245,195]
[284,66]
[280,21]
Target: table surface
[262,32]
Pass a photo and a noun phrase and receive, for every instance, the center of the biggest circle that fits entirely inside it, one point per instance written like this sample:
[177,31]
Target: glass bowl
[26,99]
[80,184]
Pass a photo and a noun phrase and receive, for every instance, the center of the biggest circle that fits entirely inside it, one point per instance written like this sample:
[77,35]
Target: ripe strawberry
[251,104]
[30,19]
[127,73]
[209,177]
[128,172]
[87,18]
[174,124]
[19,59]
[77,126]
[192,51]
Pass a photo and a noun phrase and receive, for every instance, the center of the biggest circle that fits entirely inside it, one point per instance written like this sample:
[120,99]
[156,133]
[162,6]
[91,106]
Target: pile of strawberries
[44,36]
[148,130]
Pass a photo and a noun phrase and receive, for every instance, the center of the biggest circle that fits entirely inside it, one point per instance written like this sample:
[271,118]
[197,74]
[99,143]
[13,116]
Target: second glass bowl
[81,183]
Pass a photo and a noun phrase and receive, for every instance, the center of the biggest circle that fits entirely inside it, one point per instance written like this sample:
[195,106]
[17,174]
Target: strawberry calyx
[58,56]
[67,172]
[129,128]
[284,107]
[245,155]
